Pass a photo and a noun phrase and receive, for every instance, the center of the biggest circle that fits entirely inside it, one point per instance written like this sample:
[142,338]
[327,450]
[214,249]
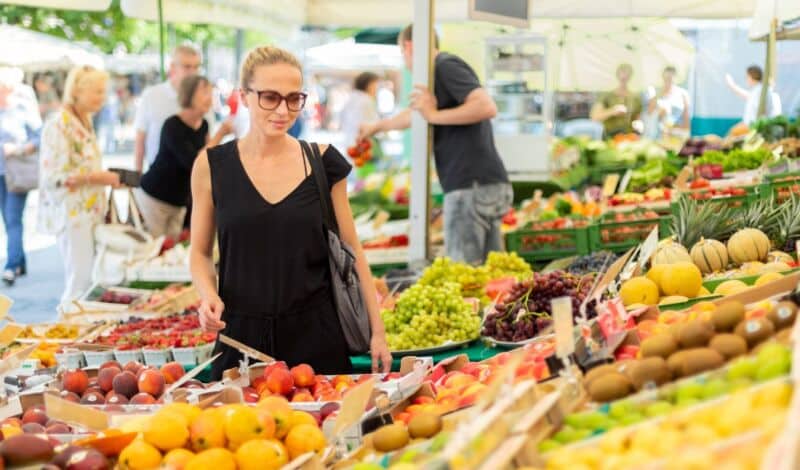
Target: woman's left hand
[381,357]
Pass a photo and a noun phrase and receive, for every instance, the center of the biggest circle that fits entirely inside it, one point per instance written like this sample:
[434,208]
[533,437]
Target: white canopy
[34,51]
[376,12]
[782,10]
[347,55]
[83,5]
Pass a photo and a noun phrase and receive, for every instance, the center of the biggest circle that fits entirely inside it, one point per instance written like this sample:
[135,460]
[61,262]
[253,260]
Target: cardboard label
[649,246]
[75,413]
[626,179]
[610,184]
[9,333]
[14,361]
[562,320]
[682,180]
[612,318]
[353,406]
[609,275]
[12,407]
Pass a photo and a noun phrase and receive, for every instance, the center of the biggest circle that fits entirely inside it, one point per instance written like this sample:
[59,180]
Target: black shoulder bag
[346,286]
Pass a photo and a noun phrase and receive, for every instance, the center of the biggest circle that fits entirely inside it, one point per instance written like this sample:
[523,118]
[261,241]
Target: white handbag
[119,245]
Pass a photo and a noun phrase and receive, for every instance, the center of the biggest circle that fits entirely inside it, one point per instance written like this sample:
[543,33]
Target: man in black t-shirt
[477,192]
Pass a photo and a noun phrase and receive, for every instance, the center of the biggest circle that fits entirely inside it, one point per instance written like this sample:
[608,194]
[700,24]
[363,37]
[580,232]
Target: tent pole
[769,69]
[161,38]
[419,208]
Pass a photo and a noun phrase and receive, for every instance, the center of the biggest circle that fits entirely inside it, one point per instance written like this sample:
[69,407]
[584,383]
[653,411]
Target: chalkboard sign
[510,12]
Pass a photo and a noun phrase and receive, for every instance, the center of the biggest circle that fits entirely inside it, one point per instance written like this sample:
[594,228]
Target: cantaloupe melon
[779,256]
[731,287]
[775,267]
[638,290]
[748,244]
[670,253]
[710,256]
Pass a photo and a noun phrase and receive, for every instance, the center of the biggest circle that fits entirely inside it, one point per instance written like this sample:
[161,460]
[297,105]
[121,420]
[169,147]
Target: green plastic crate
[536,246]
[778,185]
[754,193]
[601,238]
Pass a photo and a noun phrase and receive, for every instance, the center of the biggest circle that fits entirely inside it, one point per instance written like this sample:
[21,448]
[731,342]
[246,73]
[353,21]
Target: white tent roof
[84,5]
[33,51]
[374,12]
[347,55]
[782,10]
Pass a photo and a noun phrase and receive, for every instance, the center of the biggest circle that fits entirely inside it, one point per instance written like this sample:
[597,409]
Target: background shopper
[619,110]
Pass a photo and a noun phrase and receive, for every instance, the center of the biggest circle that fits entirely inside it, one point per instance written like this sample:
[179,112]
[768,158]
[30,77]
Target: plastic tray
[550,244]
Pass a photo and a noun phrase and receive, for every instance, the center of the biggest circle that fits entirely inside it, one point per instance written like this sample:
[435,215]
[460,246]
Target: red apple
[303,375]
[280,382]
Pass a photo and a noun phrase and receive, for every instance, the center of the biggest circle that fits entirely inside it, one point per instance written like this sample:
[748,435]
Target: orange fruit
[304,438]
[212,459]
[267,423]
[139,455]
[241,425]
[167,431]
[301,417]
[261,454]
[208,430]
[176,459]
[281,413]
[189,412]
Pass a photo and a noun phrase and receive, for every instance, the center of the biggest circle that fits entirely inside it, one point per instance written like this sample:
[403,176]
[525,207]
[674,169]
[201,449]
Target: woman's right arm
[201,253]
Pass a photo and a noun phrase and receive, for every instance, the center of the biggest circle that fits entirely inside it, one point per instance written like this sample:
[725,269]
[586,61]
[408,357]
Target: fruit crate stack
[549,240]
[781,186]
[739,197]
[620,231]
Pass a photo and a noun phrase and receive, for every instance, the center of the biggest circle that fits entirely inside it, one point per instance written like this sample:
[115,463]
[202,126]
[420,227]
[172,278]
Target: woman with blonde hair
[258,196]
[72,198]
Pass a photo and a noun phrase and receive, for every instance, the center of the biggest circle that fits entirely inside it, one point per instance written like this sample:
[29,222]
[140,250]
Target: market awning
[349,55]
[34,51]
[374,12]
[82,5]
[784,11]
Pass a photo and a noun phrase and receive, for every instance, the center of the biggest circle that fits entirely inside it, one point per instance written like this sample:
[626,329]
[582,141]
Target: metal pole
[769,70]
[419,208]
[161,38]
[239,52]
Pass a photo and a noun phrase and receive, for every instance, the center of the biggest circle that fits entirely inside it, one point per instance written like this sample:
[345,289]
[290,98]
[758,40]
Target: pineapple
[694,221]
[788,229]
[763,215]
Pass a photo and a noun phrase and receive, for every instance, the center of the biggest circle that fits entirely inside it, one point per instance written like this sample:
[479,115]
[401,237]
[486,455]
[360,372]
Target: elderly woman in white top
[72,180]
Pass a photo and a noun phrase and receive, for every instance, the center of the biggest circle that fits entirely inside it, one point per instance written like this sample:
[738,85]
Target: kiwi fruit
[784,335]
[390,437]
[597,372]
[424,425]
[782,316]
[651,369]
[695,334]
[675,363]
[675,330]
[727,316]
[609,387]
[729,345]
[700,360]
[662,345]
[755,330]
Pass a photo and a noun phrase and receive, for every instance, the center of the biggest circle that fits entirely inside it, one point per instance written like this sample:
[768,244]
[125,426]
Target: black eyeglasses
[269,100]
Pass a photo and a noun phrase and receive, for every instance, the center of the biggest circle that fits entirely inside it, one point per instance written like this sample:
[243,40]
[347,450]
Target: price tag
[612,318]
[5,306]
[626,178]
[682,180]
[353,406]
[649,246]
[562,320]
[610,184]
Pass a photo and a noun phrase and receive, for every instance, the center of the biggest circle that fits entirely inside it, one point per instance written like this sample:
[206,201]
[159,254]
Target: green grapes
[426,316]
[502,264]
[471,279]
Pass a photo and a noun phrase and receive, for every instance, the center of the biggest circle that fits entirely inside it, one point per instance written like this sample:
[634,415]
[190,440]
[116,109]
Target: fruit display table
[476,351]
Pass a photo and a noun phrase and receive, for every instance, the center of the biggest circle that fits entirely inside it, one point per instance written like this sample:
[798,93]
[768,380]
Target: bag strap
[318,169]
[112,216]
[134,214]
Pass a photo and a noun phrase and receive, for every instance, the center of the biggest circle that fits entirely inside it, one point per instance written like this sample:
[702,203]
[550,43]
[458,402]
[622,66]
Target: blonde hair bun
[265,55]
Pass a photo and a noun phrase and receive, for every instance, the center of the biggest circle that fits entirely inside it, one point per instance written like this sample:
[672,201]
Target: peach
[142,398]
[250,395]
[133,367]
[436,374]
[125,384]
[111,363]
[275,365]
[34,415]
[70,396]
[151,381]
[93,398]
[458,379]
[33,428]
[402,417]
[105,378]
[328,408]
[302,395]
[75,381]
[258,381]
[193,384]
[471,368]
[58,428]
[280,382]
[345,379]
[172,372]
[303,375]
[114,398]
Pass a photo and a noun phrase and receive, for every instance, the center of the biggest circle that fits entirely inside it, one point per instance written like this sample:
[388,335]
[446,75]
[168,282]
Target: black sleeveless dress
[273,270]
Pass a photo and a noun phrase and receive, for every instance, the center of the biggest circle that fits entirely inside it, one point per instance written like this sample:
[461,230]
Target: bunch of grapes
[471,279]
[427,316]
[507,264]
[526,312]
[592,263]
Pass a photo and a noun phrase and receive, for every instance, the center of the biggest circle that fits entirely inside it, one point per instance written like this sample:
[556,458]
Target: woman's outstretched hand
[211,314]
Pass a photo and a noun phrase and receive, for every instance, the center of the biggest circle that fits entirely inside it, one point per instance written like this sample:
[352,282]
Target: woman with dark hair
[165,190]
[360,107]
[752,95]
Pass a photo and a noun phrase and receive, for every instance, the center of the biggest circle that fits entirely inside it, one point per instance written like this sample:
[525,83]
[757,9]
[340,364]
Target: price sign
[562,320]
[612,318]
[649,246]
[610,184]
[626,179]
